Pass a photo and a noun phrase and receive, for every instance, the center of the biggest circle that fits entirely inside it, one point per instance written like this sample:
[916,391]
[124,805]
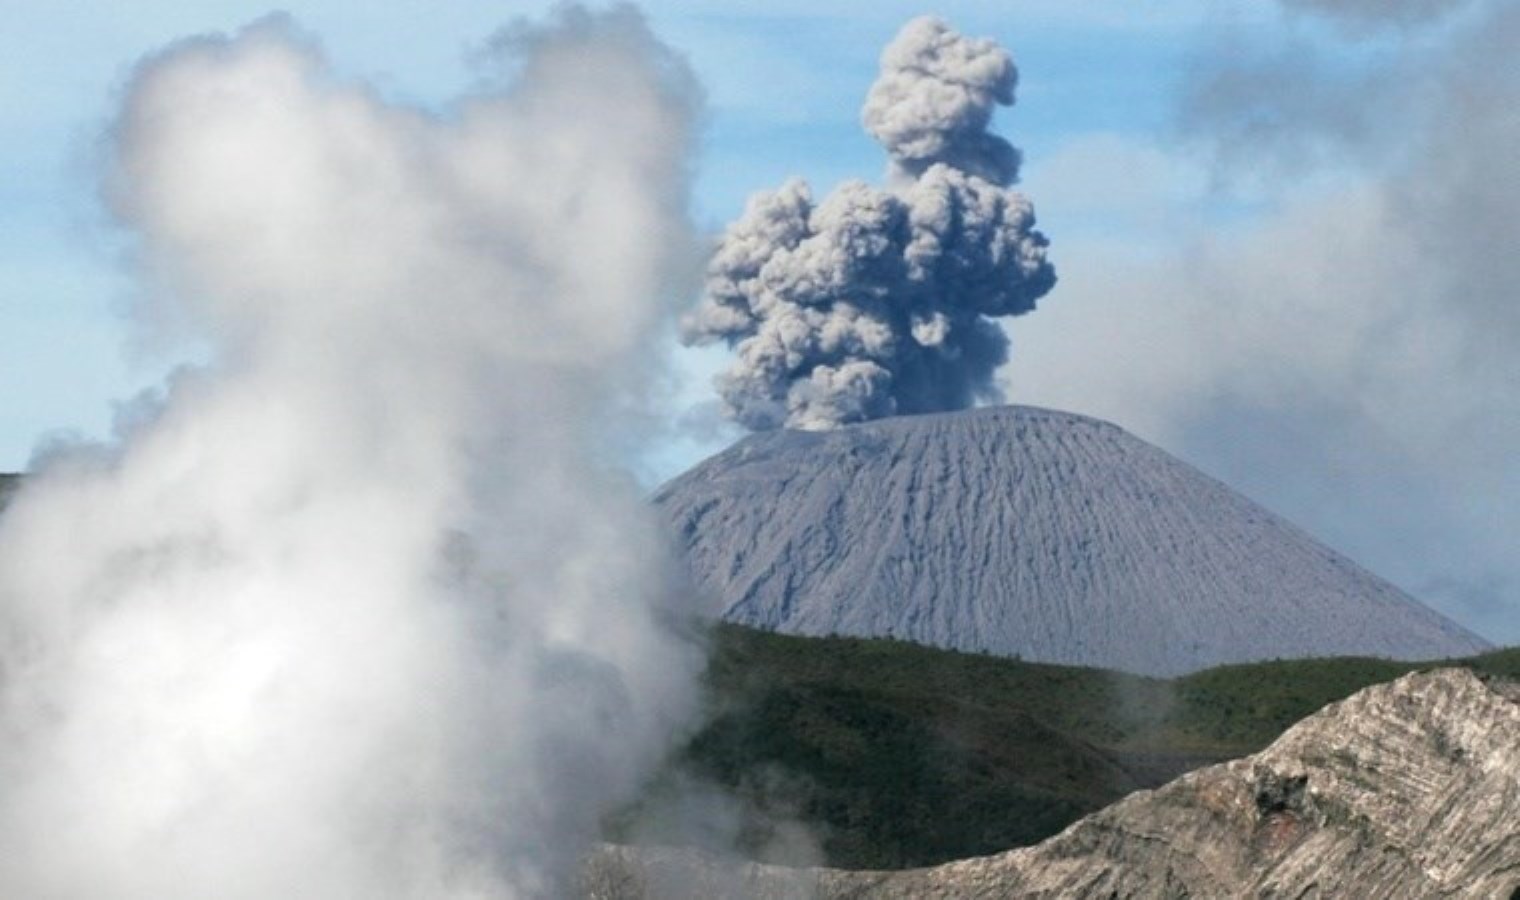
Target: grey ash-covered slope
[1027,532]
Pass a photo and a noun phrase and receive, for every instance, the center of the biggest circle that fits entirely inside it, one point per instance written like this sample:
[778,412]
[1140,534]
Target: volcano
[1028,533]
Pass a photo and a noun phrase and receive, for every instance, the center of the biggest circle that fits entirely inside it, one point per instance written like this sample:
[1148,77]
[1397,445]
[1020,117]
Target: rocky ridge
[1404,790]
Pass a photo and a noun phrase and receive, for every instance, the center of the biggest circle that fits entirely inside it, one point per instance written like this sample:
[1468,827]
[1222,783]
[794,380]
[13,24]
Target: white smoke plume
[360,610]
[876,302]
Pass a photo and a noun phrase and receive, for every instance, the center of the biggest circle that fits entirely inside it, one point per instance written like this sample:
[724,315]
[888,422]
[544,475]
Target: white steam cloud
[359,610]
[876,302]
[1348,353]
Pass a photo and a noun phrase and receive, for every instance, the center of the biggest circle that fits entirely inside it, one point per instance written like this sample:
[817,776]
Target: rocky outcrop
[1405,790]
[1025,532]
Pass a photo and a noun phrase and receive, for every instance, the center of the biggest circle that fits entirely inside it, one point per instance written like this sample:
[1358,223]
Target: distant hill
[902,755]
[8,484]
[1030,533]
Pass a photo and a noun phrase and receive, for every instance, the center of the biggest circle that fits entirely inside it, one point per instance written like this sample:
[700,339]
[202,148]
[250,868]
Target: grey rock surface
[1025,532]
[1404,790]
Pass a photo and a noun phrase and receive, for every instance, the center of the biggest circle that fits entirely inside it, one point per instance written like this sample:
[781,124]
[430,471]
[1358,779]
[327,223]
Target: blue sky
[1244,204]
[784,82]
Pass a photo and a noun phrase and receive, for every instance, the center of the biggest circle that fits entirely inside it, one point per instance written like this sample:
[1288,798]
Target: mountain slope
[1404,790]
[898,755]
[1025,532]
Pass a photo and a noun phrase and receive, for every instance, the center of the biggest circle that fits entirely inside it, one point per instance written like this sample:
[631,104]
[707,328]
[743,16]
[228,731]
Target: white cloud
[1369,321]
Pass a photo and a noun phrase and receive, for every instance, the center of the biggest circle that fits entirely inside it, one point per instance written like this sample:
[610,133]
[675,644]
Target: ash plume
[360,610]
[934,101]
[875,302]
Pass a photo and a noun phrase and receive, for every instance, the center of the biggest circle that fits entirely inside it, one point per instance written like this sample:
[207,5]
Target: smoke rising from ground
[873,302]
[357,611]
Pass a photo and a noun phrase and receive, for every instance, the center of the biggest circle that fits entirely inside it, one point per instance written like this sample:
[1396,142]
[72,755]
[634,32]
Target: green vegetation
[1242,708]
[901,755]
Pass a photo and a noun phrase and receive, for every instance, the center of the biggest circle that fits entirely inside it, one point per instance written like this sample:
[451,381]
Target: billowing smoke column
[357,610]
[878,302]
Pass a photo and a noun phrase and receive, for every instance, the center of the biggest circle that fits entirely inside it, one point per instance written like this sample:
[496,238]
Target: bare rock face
[1025,532]
[1404,790]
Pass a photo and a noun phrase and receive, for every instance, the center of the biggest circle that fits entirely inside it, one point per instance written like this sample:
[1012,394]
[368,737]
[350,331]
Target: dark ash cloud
[874,302]
[934,101]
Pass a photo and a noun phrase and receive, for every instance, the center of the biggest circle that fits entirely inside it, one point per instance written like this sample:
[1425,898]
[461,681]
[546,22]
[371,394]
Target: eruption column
[876,302]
